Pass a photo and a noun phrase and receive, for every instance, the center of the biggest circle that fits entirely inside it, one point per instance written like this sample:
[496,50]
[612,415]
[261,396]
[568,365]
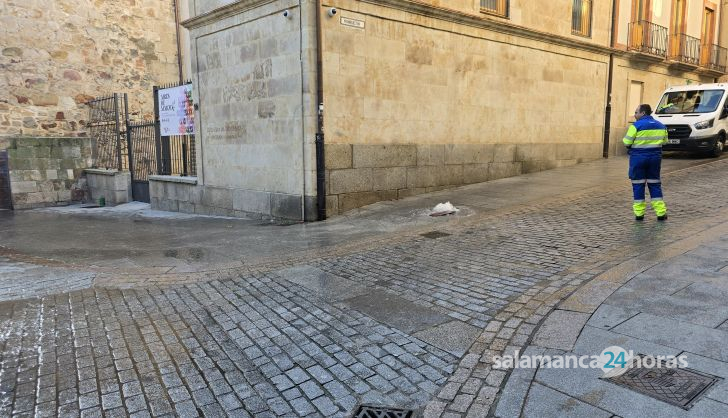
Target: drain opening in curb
[435,234]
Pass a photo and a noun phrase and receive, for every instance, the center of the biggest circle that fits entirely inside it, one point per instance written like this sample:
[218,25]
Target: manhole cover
[368,411]
[435,234]
[676,386]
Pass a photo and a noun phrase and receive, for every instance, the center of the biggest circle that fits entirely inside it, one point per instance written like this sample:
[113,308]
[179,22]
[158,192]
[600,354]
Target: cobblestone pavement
[408,320]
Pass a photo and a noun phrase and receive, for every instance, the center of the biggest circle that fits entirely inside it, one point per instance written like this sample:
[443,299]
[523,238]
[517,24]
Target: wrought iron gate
[106,126]
[137,146]
[142,143]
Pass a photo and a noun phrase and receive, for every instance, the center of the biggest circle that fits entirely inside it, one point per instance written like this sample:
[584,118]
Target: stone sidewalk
[666,301]
[387,307]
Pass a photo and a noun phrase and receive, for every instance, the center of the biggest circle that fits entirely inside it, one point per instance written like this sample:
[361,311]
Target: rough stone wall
[415,104]
[57,54]
[47,171]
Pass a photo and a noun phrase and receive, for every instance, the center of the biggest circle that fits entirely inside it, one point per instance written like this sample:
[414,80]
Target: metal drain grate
[435,234]
[676,386]
[369,411]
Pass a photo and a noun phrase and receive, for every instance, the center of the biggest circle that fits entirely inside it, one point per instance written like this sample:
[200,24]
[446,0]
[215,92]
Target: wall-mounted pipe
[176,31]
[610,79]
[320,163]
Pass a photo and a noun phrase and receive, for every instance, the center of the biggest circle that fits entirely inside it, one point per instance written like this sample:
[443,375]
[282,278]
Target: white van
[696,117]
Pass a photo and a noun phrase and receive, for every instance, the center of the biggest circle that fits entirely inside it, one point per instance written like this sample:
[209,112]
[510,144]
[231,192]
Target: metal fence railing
[106,115]
[714,57]
[137,146]
[143,143]
[648,38]
[684,48]
[581,18]
[177,152]
[178,156]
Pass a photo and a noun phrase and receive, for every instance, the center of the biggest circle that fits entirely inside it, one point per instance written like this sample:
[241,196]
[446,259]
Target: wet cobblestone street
[401,320]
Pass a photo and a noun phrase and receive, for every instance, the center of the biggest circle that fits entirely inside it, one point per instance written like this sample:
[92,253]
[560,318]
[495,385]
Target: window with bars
[495,7]
[581,17]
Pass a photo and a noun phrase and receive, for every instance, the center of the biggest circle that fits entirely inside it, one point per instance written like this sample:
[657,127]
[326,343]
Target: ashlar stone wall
[415,104]
[254,70]
[57,54]
[47,171]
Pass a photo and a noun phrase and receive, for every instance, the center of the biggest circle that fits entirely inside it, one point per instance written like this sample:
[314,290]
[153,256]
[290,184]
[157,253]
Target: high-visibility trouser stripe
[653,181]
[639,181]
[655,199]
[639,201]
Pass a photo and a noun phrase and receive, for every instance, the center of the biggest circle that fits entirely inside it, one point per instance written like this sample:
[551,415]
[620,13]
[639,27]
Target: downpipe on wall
[320,164]
[610,77]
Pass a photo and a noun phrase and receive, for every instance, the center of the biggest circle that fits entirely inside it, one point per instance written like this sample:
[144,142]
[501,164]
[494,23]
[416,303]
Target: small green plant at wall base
[102,201]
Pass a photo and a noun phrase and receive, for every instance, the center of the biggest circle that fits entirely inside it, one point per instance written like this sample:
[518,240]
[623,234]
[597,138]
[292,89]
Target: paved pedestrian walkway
[129,313]
[668,302]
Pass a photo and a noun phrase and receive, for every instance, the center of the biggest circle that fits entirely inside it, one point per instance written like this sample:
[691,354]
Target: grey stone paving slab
[608,316]
[325,285]
[454,336]
[697,339]
[545,402]
[514,393]
[585,385]
[588,298]
[400,313]
[685,266]
[719,391]
[560,330]
[648,287]
[593,341]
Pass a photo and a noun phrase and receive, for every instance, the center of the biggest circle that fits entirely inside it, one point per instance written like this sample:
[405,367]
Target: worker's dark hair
[646,109]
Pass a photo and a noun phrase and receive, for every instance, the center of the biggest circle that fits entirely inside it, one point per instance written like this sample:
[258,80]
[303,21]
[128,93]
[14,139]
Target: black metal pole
[320,164]
[610,78]
[118,131]
[184,157]
[129,152]
[157,131]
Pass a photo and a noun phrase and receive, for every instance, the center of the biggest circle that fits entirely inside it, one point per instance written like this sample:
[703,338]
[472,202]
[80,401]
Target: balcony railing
[713,57]
[647,38]
[684,48]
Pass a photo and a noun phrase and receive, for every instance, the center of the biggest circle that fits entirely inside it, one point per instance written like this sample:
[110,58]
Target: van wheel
[718,148]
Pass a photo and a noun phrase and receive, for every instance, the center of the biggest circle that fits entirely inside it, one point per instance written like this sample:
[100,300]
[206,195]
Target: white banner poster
[176,113]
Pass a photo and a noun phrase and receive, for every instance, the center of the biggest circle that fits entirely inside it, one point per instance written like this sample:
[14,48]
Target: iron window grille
[495,7]
[581,18]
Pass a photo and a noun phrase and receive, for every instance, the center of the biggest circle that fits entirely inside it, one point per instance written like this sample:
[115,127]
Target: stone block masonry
[47,171]
[114,186]
[56,55]
[358,175]
[183,194]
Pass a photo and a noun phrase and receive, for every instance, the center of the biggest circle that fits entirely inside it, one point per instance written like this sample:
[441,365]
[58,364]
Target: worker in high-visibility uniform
[645,139]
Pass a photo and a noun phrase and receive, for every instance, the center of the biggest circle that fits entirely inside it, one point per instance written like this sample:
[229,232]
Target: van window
[693,101]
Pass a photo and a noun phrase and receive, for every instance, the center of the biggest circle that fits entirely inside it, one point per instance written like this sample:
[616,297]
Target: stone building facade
[56,55]
[642,74]
[415,96]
